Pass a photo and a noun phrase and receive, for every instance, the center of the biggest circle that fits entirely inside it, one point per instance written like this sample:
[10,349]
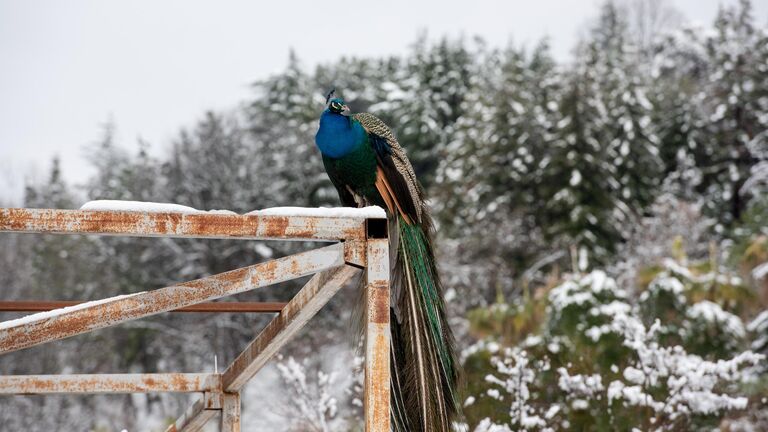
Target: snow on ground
[372,212]
[56,312]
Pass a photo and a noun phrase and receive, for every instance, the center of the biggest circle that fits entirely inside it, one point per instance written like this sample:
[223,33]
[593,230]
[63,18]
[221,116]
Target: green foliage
[508,323]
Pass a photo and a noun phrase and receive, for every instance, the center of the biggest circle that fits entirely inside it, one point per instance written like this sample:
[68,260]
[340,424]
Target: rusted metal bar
[203,225]
[198,414]
[110,383]
[354,253]
[230,412]
[217,307]
[47,326]
[294,316]
[377,337]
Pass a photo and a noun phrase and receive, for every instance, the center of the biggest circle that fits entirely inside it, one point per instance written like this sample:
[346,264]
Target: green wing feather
[345,195]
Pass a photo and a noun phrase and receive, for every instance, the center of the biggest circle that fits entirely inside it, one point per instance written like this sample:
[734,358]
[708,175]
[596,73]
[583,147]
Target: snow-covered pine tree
[677,72]
[490,176]
[604,165]
[281,121]
[425,100]
[364,83]
[734,103]
[208,168]
[110,161]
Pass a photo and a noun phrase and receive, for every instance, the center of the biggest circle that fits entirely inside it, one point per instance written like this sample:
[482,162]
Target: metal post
[377,337]
[230,412]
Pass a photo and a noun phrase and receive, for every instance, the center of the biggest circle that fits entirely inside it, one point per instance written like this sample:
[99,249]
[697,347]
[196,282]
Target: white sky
[155,66]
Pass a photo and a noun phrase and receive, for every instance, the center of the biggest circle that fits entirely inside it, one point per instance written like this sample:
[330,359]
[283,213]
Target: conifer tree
[426,99]
[733,100]
[605,166]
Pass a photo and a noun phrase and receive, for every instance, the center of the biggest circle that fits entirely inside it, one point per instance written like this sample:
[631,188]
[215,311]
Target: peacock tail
[423,359]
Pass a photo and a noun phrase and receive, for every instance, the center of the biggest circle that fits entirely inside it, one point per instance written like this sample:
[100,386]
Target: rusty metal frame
[360,243]
[217,307]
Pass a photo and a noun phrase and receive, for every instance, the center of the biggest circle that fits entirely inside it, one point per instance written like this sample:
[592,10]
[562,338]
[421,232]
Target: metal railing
[360,244]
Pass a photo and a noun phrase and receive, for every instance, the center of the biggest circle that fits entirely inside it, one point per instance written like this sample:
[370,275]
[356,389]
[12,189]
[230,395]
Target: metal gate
[359,244]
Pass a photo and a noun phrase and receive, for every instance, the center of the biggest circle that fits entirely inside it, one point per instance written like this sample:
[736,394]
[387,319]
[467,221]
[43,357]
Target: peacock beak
[345,111]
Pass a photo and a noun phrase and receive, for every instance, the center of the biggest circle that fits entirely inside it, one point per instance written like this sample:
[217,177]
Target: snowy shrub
[312,406]
[602,360]
[518,374]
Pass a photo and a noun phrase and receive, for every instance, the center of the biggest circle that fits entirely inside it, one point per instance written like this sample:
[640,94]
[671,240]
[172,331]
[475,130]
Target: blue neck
[338,135]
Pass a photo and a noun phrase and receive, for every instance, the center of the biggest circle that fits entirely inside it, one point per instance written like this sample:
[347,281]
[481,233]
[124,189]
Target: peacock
[368,166]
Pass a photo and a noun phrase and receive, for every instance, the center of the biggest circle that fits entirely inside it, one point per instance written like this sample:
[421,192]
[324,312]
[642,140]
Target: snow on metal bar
[61,323]
[294,316]
[198,414]
[110,383]
[175,224]
[377,338]
[371,212]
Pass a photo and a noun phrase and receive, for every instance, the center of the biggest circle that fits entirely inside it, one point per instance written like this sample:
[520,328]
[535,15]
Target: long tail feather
[424,370]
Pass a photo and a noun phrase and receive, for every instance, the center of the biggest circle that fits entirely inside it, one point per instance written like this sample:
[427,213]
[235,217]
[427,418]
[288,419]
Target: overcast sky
[155,66]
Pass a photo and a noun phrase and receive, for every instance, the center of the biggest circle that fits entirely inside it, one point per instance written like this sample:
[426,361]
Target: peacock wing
[395,178]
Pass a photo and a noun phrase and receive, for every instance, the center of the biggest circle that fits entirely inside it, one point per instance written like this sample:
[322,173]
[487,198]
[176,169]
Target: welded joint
[212,400]
[355,253]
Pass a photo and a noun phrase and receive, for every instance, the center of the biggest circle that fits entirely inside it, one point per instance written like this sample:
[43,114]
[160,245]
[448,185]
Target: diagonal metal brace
[62,323]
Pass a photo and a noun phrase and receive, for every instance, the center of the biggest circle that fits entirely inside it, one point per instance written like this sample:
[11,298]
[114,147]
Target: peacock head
[336,105]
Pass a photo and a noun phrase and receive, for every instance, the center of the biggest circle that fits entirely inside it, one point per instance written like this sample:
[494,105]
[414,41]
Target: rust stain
[13,219]
[377,385]
[212,225]
[176,224]
[378,303]
[99,222]
[354,252]
[169,223]
[210,403]
[356,232]
[40,386]
[173,382]
[308,230]
[294,267]
[268,272]
[149,381]
[276,226]
[179,382]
